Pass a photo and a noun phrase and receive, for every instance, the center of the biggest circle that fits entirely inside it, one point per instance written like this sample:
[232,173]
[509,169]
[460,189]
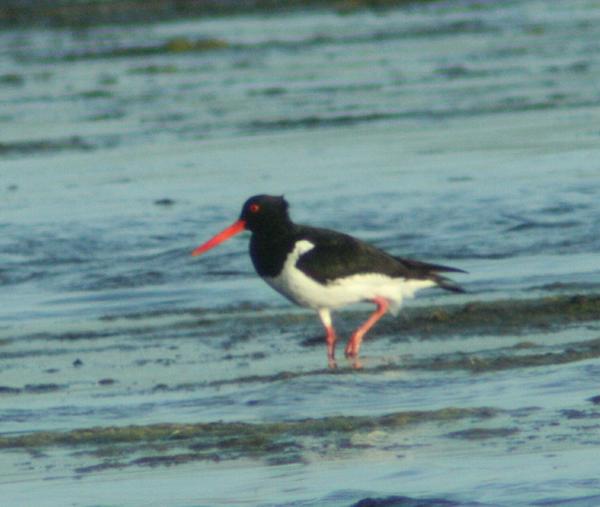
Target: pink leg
[325,316]
[355,341]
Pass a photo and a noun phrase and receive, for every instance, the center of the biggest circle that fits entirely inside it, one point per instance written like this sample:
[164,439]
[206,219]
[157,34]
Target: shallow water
[132,374]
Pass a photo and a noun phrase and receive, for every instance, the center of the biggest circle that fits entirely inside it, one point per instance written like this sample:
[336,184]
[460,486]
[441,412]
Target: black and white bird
[324,269]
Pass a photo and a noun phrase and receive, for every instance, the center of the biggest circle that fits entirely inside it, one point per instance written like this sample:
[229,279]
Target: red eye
[254,208]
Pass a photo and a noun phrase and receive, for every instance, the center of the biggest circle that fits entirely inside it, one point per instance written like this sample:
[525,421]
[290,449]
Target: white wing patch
[305,291]
[300,248]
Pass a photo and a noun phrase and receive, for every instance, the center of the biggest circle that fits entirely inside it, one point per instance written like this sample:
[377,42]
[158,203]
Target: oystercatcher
[324,270]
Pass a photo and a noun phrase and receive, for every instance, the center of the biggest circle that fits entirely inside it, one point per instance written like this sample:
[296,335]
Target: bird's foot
[351,353]
[356,363]
[351,350]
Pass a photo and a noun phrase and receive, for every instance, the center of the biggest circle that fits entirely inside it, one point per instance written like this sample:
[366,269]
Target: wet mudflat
[132,374]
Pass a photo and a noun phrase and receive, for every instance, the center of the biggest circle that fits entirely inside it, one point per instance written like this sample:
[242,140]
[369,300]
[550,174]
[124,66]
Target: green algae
[12,80]
[243,438]
[483,433]
[274,443]
[95,94]
[498,317]
[155,69]
[183,45]
[572,352]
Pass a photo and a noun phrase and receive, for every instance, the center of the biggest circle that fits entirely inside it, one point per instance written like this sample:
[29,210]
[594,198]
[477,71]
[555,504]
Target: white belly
[305,291]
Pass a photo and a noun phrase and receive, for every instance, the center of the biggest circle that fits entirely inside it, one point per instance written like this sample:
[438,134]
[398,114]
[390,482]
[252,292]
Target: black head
[265,212]
[262,214]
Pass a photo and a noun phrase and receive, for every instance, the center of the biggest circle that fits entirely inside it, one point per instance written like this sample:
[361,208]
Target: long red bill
[225,234]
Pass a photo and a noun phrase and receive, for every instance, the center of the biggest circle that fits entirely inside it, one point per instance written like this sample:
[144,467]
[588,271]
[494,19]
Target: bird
[324,270]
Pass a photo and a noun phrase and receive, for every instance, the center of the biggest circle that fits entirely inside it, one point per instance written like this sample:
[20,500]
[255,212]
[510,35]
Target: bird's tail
[430,271]
[447,283]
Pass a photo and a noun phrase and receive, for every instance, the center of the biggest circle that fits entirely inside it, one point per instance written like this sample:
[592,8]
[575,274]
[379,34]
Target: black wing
[338,255]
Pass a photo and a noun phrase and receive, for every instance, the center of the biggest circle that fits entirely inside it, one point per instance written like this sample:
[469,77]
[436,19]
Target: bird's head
[263,212]
[260,213]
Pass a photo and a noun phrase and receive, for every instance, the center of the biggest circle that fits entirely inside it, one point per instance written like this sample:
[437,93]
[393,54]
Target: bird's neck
[270,246]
